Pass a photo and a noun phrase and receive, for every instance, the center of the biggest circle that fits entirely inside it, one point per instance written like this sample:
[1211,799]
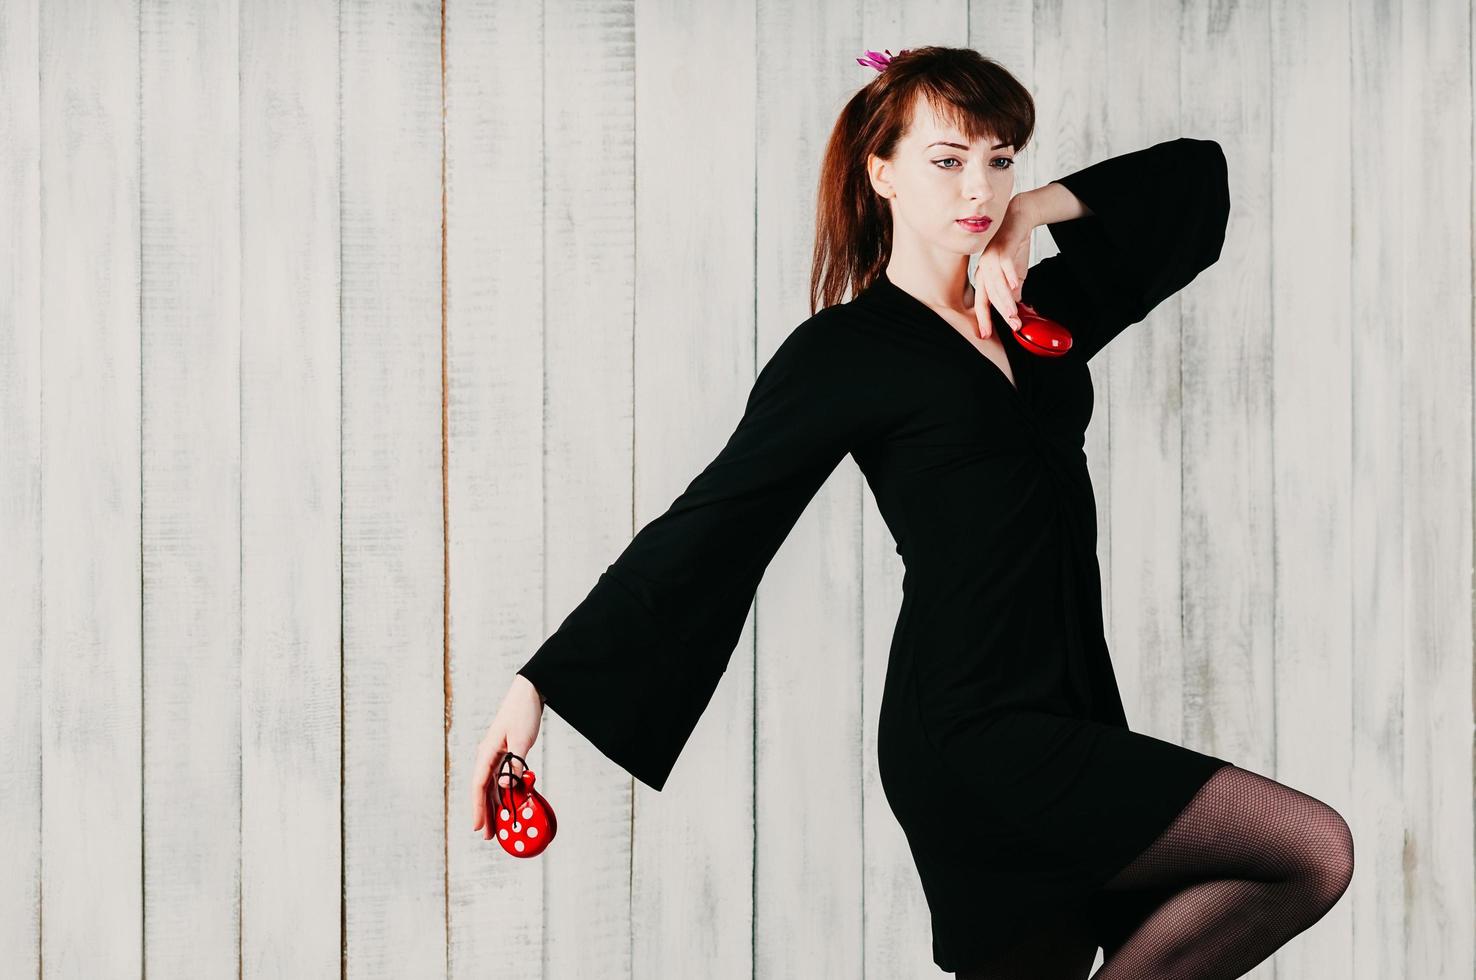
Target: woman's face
[937,177]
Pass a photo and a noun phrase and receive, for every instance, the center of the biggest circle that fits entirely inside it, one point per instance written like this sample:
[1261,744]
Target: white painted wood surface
[297,553]
[342,345]
[194,650]
[396,801]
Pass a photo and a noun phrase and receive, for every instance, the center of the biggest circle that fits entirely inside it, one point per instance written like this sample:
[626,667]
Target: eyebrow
[961,146]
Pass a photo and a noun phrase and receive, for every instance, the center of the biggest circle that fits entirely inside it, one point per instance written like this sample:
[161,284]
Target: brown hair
[853,224]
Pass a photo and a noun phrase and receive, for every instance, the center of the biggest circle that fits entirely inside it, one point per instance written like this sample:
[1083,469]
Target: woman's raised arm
[1153,219]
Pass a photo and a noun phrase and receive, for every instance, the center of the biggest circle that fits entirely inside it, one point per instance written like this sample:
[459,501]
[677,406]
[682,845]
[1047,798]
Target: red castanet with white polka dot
[522,821]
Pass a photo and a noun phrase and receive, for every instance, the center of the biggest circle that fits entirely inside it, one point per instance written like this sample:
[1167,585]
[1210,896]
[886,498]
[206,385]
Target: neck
[942,284]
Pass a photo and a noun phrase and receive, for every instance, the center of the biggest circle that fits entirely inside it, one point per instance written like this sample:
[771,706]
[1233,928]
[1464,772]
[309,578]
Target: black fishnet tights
[1247,865]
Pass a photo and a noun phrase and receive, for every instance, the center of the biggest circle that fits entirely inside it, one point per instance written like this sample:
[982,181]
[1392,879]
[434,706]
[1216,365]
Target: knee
[1330,854]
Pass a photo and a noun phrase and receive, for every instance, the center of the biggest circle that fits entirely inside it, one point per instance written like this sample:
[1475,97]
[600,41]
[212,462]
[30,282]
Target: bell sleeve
[635,664]
[1158,219]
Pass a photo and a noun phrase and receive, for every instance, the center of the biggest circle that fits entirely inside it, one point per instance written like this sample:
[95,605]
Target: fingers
[481,774]
[1005,303]
[982,320]
[489,758]
[517,767]
[486,793]
[1003,288]
[490,755]
[490,794]
[1013,281]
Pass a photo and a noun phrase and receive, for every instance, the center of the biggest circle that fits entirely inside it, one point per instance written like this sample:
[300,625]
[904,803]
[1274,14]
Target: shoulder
[824,360]
[816,336]
[841,331]
[824,324]
[824,354]
[833,350]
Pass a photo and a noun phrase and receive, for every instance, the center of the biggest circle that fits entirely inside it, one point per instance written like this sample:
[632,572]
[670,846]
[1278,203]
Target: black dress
[999,701]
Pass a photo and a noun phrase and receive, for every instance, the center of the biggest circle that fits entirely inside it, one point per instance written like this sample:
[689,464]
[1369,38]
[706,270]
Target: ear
[880,173]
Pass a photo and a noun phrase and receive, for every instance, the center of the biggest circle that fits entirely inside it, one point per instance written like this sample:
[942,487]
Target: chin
[974,243]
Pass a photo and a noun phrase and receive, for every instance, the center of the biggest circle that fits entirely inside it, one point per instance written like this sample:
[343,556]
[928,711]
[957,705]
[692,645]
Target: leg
[1116,915]
[1248,864]
[1061,949]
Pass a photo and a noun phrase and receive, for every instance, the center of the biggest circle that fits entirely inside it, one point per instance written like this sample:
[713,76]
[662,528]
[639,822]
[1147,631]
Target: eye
[1009,161]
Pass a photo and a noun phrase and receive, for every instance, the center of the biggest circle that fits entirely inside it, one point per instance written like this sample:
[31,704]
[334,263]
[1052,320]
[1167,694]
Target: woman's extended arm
[635,663]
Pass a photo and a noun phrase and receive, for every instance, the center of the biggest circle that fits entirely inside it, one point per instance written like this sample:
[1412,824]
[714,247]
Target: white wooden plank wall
[342,345]
[202,646]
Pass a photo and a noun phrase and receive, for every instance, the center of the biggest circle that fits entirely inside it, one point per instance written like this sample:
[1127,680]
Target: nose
[978,186]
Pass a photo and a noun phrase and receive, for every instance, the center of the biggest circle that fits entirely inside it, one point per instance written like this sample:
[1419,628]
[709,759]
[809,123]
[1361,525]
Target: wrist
[1050,203]
[1026,204]
[532,687]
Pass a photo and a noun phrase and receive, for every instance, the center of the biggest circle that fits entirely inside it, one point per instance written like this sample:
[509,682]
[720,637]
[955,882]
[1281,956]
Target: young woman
[1050,828]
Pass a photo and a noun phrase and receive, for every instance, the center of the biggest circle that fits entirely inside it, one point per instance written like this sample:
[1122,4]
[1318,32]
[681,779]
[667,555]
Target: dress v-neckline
[989,365]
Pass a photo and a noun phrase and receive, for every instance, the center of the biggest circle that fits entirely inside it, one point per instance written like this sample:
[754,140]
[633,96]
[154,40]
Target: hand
[514,729]
[1003,264]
